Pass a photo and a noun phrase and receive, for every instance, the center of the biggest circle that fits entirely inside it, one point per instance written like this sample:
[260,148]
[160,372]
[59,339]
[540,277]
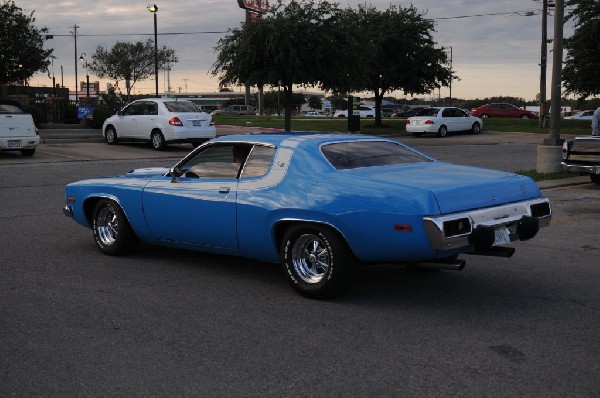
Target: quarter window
[351,155]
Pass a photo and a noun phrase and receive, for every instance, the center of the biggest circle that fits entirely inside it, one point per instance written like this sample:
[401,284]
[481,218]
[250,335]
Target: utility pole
[543,61]
[74,33]
[557,49]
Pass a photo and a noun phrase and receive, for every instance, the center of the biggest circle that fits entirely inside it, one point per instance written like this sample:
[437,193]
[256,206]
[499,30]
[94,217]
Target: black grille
[540,210]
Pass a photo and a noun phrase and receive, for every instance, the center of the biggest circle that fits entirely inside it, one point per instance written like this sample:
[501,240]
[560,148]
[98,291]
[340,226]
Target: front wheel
[317,261]
[158,140]
[475,128]
[111,136]
[112,232]
[524,116]
[484,116]
[595,178]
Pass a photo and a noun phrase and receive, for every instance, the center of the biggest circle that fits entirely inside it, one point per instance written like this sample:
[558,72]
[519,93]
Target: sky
[495,44]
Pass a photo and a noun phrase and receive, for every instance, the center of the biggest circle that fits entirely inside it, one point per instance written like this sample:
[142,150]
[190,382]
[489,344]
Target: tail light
[407,121]
[212,122]
[175,121]
[37,132]
[428,121]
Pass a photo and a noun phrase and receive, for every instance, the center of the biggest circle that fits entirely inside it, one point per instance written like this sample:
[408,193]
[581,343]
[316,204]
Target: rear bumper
[18,143]
[522,219]
[580,168]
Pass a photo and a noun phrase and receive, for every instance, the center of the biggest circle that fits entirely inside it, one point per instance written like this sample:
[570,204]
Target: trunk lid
[457,188]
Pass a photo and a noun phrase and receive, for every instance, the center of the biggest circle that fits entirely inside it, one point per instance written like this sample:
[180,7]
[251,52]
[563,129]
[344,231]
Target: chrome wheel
[311,258]
[107,226]
[112,232]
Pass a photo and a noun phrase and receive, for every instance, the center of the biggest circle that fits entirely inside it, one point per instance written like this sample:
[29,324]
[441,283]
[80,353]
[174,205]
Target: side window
[258,162]
[150,108]
[133,109]
[496,106]
[447,113]
[216,161]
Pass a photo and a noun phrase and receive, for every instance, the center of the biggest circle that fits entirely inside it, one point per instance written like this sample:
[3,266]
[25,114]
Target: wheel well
[90,204]
[108,126]
[282,226]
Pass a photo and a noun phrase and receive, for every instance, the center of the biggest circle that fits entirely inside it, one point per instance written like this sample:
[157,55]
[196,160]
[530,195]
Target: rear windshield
[351,155]
[429,112]
[10,109]
[182,106]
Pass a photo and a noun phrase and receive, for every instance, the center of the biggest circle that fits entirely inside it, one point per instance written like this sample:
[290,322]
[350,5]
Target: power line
[140,34]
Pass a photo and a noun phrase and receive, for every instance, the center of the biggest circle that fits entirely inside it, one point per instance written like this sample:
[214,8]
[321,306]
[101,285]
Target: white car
[365,111]
[315,114]
[583,115]
[17,130]
[161,121]
[441,121]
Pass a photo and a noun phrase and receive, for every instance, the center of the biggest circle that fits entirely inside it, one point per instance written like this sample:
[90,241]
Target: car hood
[148,172]
[457,188]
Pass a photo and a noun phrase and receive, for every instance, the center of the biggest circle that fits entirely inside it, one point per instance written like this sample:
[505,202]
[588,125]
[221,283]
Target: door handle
[224,190]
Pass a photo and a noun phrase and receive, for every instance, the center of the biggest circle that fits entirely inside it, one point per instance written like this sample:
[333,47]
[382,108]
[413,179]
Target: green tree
[394,50]
[129,62]
[315,102]
[296,43]
[581,72]
[22,50]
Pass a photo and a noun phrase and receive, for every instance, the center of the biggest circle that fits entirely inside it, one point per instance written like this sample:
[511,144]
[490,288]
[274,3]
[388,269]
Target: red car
[502,110]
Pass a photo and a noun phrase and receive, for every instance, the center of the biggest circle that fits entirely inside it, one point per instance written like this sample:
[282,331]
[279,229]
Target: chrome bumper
[510,216]
[67,211]
[579,168]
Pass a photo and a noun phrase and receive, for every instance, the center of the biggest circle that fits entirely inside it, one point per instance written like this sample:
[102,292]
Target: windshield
[181,106]
[350,155]
[10,109]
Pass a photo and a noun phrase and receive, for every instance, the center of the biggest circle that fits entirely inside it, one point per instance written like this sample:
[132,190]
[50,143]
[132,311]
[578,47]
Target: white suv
[160,121]
[17,130]
[365,111]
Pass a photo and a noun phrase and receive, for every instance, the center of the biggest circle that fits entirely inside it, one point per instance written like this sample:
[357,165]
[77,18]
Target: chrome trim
[579,168]
[504,215]
[67,211]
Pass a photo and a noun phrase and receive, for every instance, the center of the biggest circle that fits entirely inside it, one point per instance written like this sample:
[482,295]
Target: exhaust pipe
[453,265]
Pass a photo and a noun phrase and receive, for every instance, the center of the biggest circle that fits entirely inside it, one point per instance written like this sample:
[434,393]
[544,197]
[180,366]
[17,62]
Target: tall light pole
[83,58]
[153,8]
[557,49]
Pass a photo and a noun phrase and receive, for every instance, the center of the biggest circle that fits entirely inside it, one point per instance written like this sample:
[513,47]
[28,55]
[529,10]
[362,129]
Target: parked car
[318,203]
[365,111]
[161,121]
[502,110]
[315,114]
[17,129]
[408,113]
[582,155]
[387,112]
[235,110]
[440,121]
[582,115]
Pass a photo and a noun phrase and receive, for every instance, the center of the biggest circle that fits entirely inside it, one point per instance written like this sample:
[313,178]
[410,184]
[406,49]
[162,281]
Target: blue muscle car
[319,203]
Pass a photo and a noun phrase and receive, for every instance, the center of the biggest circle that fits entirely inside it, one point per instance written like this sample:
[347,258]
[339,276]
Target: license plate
[501,236]
[14,143]
[197,123]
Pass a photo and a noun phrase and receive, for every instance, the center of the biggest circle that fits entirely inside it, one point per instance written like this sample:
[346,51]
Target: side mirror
[175,173]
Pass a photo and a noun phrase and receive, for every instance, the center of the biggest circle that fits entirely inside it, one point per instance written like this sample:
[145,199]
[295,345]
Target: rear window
[429,112]
[10,109]
[182,106]
[351,155]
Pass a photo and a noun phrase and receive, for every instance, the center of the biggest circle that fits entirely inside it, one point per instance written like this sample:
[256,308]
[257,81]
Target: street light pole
[74,32]
[557,49]
[153,8]
[83,58]
[543,62]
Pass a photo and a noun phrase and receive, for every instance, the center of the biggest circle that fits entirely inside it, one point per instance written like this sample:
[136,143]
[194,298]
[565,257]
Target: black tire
[484,116]
[443,131]
[476,128]
[417,134]
[595,178]
[27,152]
[524,116]
[112,232]
[111,136]
[158,140]
[317,261]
